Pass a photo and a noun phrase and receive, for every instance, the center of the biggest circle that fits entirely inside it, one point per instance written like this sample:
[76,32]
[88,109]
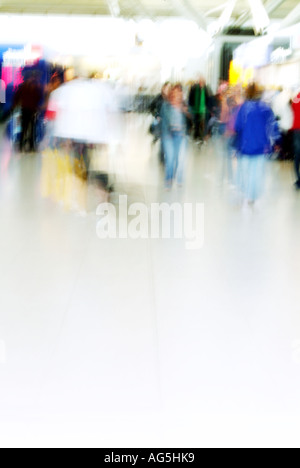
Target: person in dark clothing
[155,106]
[29,98]
[199,102]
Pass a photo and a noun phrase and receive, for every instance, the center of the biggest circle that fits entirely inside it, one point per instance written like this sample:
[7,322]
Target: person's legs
[178,167]
[229,155]
[169,160]
[206,122]
[221,147]
[218,145]
[239,174]
[290,145]
[202,126]
[196,126]
[255,177]
[25,121]
[32,130]
[297,156]
[162,151]
[283,146]
[244,175]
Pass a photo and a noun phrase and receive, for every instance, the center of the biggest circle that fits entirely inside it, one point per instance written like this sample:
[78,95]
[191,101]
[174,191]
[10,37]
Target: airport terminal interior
[114,333]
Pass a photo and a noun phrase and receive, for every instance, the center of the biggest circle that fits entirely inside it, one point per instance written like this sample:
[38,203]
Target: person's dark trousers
[161,152]
[197,120]
[297,155]
[207,119]
[290,145]
[199,126]
[282,145]
[28,128]
[286,146]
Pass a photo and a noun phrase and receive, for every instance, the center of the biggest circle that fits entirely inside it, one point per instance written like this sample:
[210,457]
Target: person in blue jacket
[255,131]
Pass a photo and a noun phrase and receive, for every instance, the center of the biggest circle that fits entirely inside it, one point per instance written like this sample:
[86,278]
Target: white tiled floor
[143,343]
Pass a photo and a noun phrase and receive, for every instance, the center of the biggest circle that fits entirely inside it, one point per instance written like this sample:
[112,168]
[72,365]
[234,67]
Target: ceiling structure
[146,8]
[202,11]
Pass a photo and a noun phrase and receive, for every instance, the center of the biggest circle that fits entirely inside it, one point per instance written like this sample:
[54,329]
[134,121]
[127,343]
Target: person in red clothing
[296,129]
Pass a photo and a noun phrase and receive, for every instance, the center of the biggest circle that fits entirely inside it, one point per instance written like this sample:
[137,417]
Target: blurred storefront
[141,52]
[218,59]
[12,59]
[272,61]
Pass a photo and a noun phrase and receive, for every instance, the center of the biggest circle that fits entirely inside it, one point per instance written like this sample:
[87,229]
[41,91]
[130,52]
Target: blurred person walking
[220,137]
[29,97]
[234,103]
[296,137]
[156,111]
[82,133]
[225,110]
[254,127]
[199,101]
[174,114]
[50,110]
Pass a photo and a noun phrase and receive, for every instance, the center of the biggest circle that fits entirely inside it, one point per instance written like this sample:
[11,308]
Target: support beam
[270,7]
[273,5]
[114,7]
[215,10]
[184,9]
[292,18]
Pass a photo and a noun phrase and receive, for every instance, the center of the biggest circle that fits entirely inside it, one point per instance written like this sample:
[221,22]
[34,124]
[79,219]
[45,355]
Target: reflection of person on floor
[28,97]
[254,127]
[174,115]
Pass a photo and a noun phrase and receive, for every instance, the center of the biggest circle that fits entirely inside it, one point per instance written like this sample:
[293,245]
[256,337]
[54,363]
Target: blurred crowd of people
[245,126]
[25,107]
[242,124]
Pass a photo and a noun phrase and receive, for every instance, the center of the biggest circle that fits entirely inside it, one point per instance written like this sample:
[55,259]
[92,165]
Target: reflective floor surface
[142,343]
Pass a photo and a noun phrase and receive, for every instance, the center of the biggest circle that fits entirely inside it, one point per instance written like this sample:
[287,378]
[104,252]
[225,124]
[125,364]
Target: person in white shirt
[83,129]
[281,106]
[83,109]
